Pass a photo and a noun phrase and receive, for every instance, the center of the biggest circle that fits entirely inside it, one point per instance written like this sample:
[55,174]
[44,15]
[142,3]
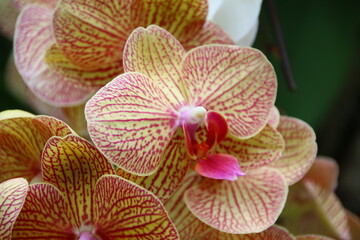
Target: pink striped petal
[188,225]
[127,211]
[274,118]
[92,35]
[300,149]
[131,122]
[12,197]
[73,165]
[219,166]
[167,179]
[32,38]
[210,33]
[250,204]
[20,4]
[44,215]
[157,54]
[272,233]
[91,78]
[324,172]
[312,237]
[21,142]
[262,149]
[183,19]
[239,83]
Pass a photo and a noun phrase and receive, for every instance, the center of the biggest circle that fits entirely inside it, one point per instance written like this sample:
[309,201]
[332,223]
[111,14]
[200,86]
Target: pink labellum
[219,166]
[217,128]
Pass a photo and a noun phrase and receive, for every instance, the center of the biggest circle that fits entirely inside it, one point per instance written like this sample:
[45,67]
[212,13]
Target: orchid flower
[66,53]
[145,119]
[22,138]
[238,18]
[313,206]
[12,197]
[81,198]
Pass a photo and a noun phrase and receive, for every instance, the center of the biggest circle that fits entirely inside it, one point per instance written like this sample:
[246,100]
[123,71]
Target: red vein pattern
[330,209]
[12,197]
[188,225]
[131,122]
[210,34]
[250,204]
[44,215]
[300,149]
[237,82]
[324,172]
[90,33]
[33,37]
[73,165]
[125,210]
[183,19]
[264,148]
[167,179]
[272,233]
[155,53]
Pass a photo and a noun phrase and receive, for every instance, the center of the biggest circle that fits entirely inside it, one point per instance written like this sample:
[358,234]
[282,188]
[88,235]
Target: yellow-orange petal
[188,225]
[167,179]
[21,143]
[183,19]
[210,33]
[92,35]
[45,215]
[12,197]
[131,121]
[273,233]
[300,149]
[126,211]
[250,204]
[324,172]
[157,54]
[14,114]
[260,150]
[74,165]
[237,82]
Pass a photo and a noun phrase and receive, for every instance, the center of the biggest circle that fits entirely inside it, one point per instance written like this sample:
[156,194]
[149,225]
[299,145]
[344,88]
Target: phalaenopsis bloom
[207,108]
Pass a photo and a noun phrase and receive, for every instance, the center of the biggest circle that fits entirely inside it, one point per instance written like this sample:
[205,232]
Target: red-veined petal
[157,54]
[44,215]
[125,210]
[272,233]
[264,148]
[73,165]
[300,149]
[75,75]
[167,179]
[131,122]
[22,141]
[32,38]
[188,225]
[250,204]
[20,4]
[12,197]
[324,172]
[239,83]
[274,118]
[210,33]
[183,19]
[219,166]
[90,34]
[354,224]
[14,114]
